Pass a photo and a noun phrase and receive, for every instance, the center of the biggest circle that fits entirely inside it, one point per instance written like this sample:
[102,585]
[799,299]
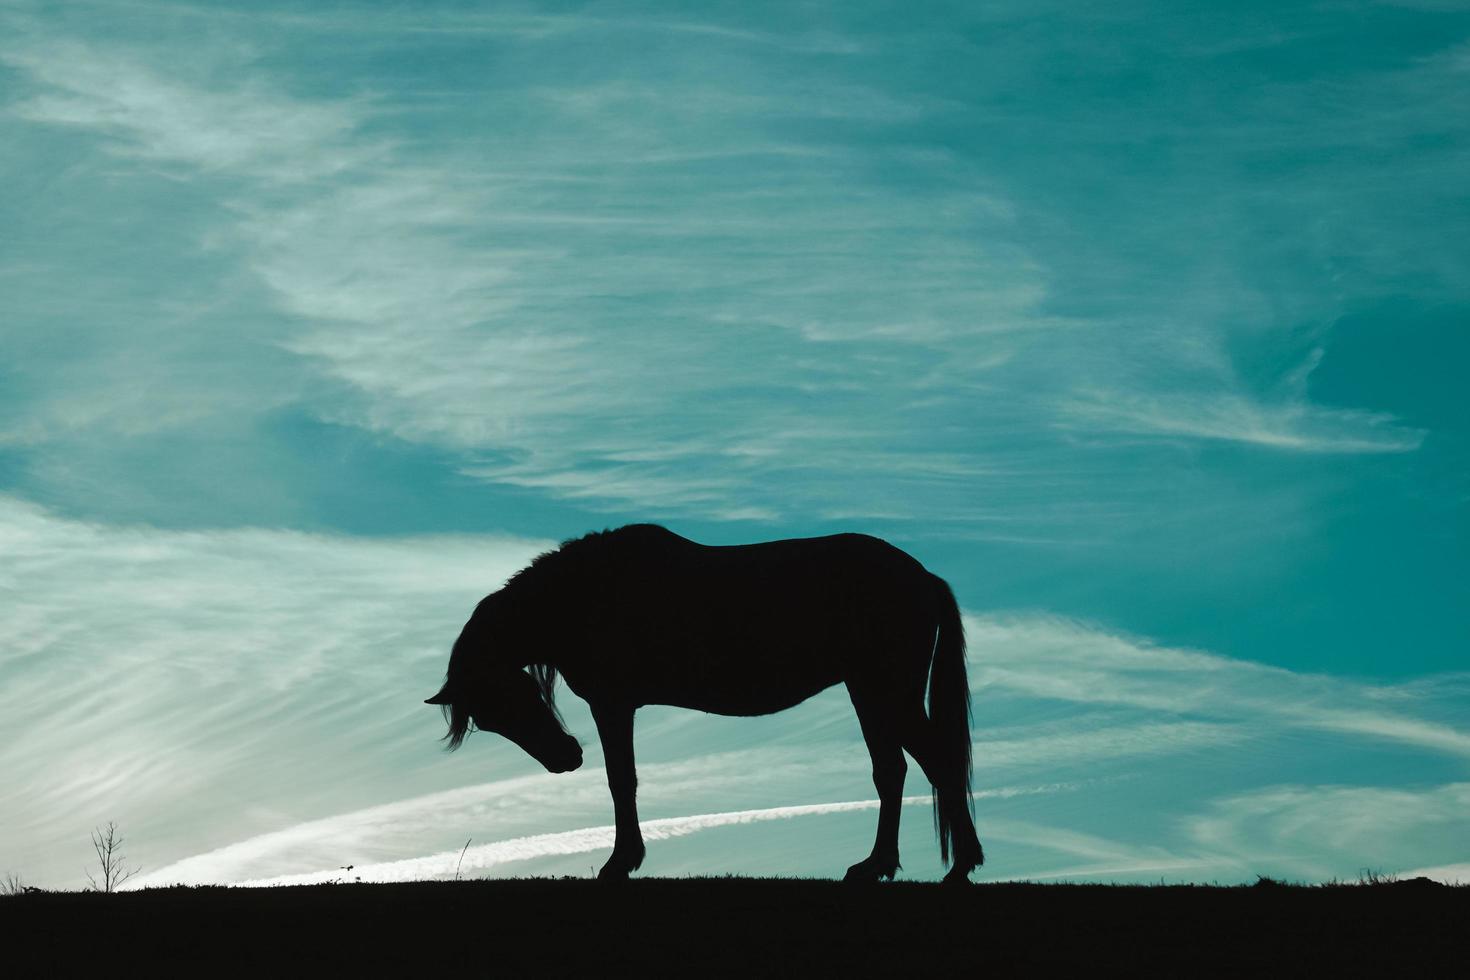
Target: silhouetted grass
[744,927]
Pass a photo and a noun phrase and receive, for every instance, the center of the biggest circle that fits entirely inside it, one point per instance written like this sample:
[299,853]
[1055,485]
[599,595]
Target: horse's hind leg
[947,776]
[889,770]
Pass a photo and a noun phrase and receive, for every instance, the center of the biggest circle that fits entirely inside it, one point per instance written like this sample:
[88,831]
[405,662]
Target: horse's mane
[574,555]
[522,593]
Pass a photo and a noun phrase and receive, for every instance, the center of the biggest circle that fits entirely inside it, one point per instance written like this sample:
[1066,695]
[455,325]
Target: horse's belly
[765,703]
[723,703]
[751,686]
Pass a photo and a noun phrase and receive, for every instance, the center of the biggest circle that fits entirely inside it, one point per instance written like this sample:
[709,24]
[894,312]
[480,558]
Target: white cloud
[1315,830]
[215,686]
[204,683]
[505,298]
[1076,741]
[1063,660]
[443,307]
[674,296]
[1295,426]
[1102,857]
[153,113]
[1449,874]
[202,687]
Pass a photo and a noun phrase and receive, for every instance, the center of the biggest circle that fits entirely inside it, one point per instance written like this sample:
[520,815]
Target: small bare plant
[12,885]
[461,857]
[107,842]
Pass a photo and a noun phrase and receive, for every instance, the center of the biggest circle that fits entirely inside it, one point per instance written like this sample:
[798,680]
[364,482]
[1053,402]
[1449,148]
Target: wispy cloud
[1293,426]
[217,867]
[1449,874]
[222,686]
[1312,828]
[447,311]
[665,248]
[153,113]
[1063,660]
[236,667]
[726,270]
[162,676]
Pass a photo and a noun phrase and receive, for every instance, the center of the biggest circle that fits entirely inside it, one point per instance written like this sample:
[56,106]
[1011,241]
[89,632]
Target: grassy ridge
[739,926]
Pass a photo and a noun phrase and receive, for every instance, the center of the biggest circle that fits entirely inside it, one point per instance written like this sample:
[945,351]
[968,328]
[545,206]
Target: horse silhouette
[639,615]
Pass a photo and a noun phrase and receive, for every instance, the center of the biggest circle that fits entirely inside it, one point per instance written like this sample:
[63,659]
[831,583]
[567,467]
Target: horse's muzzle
[565,761]
[565,764]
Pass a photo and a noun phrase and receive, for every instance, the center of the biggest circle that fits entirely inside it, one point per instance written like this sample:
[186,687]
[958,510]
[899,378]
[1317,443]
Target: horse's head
[510,703]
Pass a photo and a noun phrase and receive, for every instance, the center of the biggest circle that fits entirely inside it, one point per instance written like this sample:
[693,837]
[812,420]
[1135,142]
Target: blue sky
[1143,325]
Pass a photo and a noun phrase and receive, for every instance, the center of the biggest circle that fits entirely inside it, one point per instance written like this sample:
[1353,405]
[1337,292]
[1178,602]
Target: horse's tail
[949,708]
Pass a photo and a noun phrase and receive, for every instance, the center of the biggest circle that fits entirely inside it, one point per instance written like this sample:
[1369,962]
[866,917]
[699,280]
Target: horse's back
[751,629]
[813,577]
[857,552]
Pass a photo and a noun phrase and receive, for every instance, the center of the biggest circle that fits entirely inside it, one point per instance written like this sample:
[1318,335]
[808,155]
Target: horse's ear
[441,698]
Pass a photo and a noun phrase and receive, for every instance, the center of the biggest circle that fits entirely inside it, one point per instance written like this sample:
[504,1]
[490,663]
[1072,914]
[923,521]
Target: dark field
[738,927]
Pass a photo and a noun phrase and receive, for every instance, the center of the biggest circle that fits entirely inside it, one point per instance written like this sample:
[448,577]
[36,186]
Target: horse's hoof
[611,873]
[870,870]
[957,877]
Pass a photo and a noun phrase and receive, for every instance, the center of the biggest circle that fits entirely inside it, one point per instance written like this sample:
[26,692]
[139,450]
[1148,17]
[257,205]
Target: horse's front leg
[615,728]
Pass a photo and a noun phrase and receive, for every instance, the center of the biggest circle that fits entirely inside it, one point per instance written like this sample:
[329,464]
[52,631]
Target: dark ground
[739,927]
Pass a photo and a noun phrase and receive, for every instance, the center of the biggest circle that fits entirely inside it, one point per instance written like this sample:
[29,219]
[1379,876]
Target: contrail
[586,839]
